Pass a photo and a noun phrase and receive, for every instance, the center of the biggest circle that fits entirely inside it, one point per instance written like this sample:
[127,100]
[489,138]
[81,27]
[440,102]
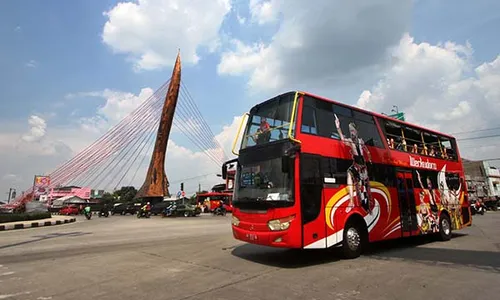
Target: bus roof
[371,113]
[214,194]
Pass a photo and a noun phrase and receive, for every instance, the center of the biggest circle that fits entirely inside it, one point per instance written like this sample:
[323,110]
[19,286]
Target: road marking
[14,295]
[5,274]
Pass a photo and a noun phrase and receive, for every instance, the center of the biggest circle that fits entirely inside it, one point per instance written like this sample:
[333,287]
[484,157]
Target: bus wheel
[444,228]
[353,240]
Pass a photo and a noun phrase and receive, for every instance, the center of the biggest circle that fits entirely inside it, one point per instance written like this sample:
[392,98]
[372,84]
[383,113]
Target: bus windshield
[263,181]
[269,121]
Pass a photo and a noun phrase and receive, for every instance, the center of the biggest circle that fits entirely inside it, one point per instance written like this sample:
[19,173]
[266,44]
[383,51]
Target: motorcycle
[478,209]
[88,215]
[168,211]
[220,211]
[104,213]
[143,214]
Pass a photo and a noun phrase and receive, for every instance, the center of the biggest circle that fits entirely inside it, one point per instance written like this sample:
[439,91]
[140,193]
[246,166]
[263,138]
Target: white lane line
[13,295]
[6,273]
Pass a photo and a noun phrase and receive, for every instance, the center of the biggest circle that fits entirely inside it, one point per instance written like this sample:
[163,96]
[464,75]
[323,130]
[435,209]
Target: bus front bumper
[266,238]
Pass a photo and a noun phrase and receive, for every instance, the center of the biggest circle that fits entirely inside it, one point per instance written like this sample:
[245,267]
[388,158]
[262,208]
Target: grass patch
[4,218]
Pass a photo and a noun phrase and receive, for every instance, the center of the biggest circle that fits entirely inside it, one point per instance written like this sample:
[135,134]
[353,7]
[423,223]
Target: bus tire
[353,240]
[444,227]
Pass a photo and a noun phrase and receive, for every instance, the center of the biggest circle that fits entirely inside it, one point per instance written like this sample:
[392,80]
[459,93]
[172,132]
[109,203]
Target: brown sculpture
[156,183]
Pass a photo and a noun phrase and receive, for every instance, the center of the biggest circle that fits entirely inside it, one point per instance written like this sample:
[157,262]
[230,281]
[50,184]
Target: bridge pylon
[156,185]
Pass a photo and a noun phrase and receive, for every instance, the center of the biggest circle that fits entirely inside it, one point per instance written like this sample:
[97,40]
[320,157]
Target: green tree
[126,193]
[108,198]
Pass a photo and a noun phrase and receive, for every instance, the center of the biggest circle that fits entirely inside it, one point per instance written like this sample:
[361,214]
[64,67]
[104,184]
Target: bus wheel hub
[353,238]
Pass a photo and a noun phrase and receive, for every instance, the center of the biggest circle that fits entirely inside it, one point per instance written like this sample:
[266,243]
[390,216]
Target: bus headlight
[280,224]
[235,221]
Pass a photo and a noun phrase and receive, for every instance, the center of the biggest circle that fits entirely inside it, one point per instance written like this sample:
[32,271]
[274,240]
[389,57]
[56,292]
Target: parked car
[186,210]
[124,209]
[158,208]
[69,210]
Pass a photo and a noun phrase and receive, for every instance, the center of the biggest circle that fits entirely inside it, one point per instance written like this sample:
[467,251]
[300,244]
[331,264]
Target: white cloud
[317,45]
[265,11]
[241,19]
[10,177]
[37,131]
[31,64]
[434,86]
[152,31]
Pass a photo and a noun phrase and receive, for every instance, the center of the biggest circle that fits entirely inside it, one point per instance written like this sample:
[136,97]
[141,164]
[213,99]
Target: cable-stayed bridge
[117,157]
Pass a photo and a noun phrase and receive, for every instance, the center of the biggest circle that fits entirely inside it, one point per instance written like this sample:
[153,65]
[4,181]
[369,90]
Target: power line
[479,146]
[486,159]
[472,131]
[479,137]
[189,178]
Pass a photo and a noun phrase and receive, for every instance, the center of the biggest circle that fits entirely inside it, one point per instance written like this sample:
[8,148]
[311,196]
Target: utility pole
[12,193]
[199,187]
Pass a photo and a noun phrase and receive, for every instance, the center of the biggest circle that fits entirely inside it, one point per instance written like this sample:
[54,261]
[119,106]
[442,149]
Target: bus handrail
[238,134]
[292,119]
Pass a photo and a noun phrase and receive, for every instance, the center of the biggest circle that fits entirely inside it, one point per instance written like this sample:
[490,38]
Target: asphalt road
[123,257]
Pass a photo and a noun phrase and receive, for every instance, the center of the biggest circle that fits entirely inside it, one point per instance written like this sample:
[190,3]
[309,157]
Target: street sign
[179,193]
[399,116]
[183,194]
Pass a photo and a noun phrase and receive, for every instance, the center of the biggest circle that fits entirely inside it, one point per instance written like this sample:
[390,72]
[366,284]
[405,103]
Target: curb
[36,224]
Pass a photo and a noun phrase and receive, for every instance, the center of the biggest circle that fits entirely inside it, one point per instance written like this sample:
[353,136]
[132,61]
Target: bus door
[311,200]
[407,206]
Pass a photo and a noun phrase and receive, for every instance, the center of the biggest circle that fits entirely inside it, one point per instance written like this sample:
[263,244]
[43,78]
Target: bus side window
[326,120]
[431,141]
[413,139]
[395,136]
[448,151]
[345,117]
[309,121]
[367,129]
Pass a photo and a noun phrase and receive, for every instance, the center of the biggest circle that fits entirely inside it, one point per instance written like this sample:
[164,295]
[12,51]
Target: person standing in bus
[357,173]
[263,133]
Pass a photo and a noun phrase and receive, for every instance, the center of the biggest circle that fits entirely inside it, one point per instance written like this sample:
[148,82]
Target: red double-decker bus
[315,173]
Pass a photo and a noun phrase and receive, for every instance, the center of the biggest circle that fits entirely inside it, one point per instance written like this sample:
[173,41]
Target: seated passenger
[433,151]
[424,150]
[444,155]
[403,143]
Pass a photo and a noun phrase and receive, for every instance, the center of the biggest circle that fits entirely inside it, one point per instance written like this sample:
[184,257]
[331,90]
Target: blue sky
[54,48]
[459,21]
[64,38]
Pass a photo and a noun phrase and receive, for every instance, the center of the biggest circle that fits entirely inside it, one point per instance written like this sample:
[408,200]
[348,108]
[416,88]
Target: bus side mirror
[224,167]
[224,171]
[285,163]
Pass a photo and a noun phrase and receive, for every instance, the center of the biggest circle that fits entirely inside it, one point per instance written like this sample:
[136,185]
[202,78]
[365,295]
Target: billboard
[41,185]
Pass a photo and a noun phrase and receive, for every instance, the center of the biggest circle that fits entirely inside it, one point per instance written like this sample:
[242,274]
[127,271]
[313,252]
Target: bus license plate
[251,236]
